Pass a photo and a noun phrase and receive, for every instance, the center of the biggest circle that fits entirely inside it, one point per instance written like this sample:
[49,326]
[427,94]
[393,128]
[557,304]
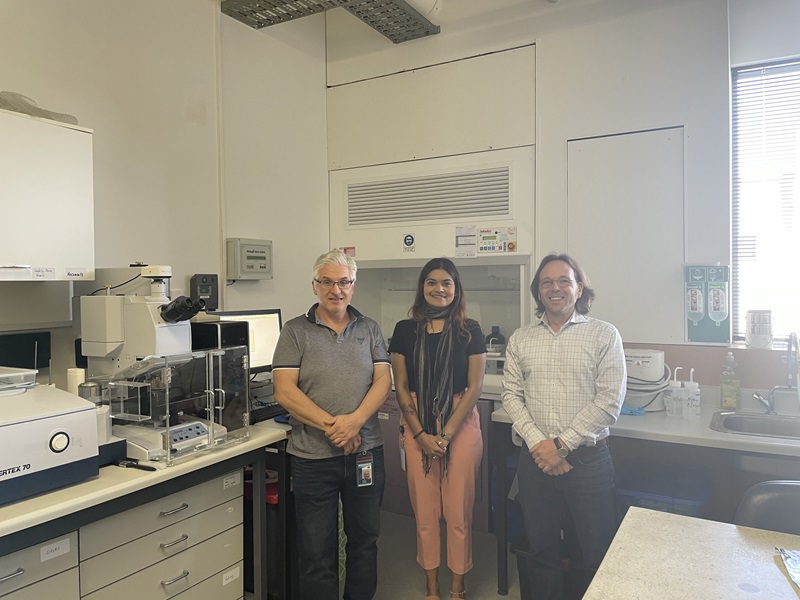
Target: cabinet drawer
[226,585]
[178,573]
[38,562]
[120,529]
[63,586]
[111,566]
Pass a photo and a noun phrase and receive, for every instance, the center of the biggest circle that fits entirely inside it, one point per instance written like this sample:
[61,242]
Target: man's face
[333,299]
[558,289]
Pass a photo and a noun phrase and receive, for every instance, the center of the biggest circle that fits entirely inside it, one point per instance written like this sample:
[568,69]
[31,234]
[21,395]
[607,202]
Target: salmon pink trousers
[452,496]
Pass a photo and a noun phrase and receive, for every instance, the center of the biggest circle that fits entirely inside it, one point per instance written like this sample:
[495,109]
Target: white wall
[275,152]
[602,67]
[145,75]
[655,68]
[763,31]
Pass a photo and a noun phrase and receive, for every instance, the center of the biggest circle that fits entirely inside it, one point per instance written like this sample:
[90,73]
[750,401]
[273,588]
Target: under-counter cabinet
[47,570]
[188,544]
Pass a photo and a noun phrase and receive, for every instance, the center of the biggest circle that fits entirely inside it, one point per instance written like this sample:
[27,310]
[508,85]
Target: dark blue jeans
[318,485]
[589,494]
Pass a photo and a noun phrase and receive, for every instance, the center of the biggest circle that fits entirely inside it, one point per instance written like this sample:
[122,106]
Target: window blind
[765,168]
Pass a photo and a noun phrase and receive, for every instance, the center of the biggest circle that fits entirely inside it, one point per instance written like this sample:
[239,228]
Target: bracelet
[444,435]
[421,431]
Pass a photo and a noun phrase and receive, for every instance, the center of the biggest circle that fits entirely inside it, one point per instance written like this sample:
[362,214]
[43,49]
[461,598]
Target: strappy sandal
[459,594]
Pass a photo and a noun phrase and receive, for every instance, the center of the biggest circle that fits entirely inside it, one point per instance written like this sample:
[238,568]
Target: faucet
[769,401]
[490,346]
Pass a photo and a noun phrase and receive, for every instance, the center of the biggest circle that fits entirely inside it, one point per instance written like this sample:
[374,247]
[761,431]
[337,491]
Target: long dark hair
[458,308]
[583,304]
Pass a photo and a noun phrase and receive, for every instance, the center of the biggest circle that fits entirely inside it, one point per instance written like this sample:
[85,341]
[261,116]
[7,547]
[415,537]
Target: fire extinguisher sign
[409,242]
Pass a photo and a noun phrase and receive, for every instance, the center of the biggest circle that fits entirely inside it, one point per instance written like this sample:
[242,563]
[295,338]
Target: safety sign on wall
[409,242]
[707,304]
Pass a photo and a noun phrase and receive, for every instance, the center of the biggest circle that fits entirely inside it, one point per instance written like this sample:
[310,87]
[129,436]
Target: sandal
[459,594]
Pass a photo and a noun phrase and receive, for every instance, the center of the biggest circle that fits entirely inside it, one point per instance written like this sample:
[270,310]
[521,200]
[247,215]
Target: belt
[589,450]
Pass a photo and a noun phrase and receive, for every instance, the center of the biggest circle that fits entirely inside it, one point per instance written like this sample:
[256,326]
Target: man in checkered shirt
[563,385]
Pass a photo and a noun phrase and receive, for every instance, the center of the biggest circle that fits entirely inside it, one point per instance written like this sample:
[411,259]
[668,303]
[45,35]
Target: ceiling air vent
[466,195]
[395,19]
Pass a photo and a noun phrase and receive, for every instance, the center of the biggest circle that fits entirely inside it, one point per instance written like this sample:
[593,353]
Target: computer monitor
[264,328]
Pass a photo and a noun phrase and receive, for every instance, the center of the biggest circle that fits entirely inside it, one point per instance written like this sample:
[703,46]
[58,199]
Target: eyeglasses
[546,284]
[326,284]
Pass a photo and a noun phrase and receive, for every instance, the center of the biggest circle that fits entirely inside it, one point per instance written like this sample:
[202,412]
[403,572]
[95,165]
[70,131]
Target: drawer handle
[16,573]
[183,538]
[183,575]
[166,513]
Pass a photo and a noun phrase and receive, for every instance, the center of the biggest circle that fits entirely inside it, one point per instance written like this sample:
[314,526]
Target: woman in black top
[438,361]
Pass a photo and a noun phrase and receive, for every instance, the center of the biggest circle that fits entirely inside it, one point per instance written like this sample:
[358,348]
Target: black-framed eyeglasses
[326,284]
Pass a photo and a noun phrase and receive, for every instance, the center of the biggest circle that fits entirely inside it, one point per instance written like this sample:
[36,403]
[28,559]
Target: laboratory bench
[662,556]
[734,461]
[110,518]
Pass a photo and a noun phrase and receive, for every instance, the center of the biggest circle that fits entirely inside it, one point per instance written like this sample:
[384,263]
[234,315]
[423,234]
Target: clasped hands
[546,457]
[433,446]
[343,432]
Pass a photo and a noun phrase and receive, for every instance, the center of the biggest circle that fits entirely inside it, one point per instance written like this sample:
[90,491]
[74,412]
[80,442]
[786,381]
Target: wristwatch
[562,450]
[445,436]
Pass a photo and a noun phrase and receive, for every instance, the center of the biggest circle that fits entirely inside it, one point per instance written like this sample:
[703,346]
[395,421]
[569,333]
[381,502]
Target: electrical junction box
[249,259]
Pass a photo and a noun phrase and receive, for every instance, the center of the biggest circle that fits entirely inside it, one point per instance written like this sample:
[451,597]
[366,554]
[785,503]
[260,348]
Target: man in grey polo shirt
[331,372]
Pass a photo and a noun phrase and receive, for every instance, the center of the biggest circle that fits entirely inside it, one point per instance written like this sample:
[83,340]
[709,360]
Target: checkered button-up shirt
[569,384]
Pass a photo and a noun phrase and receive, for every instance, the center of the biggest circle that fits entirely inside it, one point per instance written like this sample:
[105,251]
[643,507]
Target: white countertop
[114,482]
[658,556]
[657,426]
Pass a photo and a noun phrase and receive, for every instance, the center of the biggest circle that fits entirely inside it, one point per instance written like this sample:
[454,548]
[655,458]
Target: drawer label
[232,480]
[55,549]
[230,576]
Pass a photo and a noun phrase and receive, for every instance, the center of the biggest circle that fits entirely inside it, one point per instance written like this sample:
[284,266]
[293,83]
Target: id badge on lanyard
[364,469]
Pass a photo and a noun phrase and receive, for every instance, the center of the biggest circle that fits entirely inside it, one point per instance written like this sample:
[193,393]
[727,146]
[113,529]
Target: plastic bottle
[673,396]
[691,407]
[730,385]
[495,340]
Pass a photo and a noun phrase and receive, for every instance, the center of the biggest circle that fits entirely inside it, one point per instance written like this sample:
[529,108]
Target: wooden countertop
[114,482]
[662,556]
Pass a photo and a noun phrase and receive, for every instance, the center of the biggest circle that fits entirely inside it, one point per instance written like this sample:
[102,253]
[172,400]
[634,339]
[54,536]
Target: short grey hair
[335,257]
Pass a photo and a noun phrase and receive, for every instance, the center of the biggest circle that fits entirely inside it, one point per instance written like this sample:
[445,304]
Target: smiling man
[563,385]
[331,372]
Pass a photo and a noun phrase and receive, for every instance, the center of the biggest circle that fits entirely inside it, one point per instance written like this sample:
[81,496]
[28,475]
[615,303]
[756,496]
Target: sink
[756,424]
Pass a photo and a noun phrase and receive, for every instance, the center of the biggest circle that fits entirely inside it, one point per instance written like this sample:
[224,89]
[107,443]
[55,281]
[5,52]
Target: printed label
[54,550]
[230,576]
[231,481]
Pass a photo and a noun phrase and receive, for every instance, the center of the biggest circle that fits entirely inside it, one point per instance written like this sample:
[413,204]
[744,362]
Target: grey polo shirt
[335,371]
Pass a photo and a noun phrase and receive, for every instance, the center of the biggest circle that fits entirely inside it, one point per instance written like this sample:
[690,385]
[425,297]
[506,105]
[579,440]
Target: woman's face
[439,288]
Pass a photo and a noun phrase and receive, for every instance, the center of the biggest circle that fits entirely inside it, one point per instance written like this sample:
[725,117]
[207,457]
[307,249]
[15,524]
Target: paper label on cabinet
[55,549]
[76,272]
[44,272]
[232,480]
[230,576]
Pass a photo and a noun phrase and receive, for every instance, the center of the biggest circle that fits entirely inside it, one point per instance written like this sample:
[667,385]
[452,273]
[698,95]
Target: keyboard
[264,412]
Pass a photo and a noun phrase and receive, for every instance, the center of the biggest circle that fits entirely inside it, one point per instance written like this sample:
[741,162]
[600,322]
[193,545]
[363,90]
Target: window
[766,194]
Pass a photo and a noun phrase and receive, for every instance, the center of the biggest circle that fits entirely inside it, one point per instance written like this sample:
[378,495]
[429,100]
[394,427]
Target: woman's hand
[432,445]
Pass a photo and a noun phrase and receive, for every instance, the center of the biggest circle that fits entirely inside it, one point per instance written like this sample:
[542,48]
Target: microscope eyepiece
[181,309]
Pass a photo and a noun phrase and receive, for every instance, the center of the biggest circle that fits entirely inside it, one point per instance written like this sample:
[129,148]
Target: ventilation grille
[465,195]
